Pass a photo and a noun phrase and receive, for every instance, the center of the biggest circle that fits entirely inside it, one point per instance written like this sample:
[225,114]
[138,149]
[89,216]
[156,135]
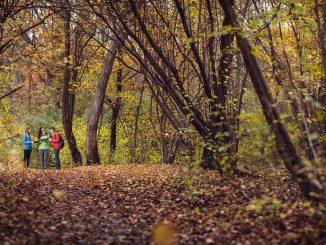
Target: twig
[11,92]
[245,195]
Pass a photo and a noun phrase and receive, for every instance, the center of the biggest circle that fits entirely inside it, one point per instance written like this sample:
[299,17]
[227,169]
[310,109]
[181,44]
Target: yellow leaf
[164,234]
[190,40]
[58,194]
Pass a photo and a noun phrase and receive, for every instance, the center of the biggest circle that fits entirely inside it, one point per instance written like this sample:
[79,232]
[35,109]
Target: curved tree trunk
[68,96]
[92,155]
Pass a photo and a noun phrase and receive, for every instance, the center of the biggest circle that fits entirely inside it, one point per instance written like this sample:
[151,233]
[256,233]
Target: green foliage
[256,140]
[264,203]
[46,118]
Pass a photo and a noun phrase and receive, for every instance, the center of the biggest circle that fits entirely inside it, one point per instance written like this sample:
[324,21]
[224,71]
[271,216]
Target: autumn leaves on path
[144,204]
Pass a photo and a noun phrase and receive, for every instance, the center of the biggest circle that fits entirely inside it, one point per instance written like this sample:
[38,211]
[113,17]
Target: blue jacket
[27,142]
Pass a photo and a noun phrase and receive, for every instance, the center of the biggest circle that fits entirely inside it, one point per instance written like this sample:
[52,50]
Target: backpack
[61,142]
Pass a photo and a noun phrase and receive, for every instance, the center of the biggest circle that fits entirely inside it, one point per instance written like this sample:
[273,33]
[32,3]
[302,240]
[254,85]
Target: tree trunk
[305,179]
[30,92]
[169,143]
[92,155]
[68,95]
[218,152]
[209,159]
[115,114]
[134,155]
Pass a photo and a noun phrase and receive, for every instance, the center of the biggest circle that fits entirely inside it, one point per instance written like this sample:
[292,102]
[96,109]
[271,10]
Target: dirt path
[125,204]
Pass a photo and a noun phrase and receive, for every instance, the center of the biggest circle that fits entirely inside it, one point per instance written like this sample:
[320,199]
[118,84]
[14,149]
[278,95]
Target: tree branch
[11,92]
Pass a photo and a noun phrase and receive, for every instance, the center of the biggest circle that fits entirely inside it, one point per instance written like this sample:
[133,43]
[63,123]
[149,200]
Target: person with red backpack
[57,144]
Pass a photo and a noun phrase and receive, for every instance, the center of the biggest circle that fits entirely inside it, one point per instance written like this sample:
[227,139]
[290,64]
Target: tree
[211,123]
[92,155]
[116,107]
[308,183]
[68,95]
[320,10]
[12,9]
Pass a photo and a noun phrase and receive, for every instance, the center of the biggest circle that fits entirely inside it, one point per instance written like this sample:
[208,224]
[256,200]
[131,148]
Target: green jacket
[44,142]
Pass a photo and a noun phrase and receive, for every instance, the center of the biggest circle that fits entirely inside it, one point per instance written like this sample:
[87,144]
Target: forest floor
[154,204]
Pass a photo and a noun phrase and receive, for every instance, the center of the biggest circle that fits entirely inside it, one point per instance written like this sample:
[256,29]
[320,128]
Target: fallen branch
[245,195]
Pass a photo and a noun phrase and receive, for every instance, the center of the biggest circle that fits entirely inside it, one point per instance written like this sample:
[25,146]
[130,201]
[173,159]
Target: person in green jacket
[44,145]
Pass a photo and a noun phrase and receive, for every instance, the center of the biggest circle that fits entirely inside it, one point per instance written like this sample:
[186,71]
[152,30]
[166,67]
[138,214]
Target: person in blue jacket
[27,145]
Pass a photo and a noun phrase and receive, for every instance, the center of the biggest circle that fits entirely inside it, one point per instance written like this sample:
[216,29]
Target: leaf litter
[154,204]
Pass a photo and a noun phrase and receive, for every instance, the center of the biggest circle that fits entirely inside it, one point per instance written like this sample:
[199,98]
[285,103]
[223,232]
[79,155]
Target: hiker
[27,145]
[43,140]
[56,144]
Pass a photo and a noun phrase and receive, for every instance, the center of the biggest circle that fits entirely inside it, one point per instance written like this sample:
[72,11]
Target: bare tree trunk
[134,147]
[30,92]
[236,119]
[92,155]
[68,95]
[306,180]
[168,144]
[115,114]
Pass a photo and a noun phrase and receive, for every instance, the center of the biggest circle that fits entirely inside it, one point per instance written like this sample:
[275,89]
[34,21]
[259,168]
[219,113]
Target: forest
[163,122]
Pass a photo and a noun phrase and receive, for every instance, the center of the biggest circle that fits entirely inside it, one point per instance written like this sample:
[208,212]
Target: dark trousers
[43,158]
[57,158]
[27,157]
